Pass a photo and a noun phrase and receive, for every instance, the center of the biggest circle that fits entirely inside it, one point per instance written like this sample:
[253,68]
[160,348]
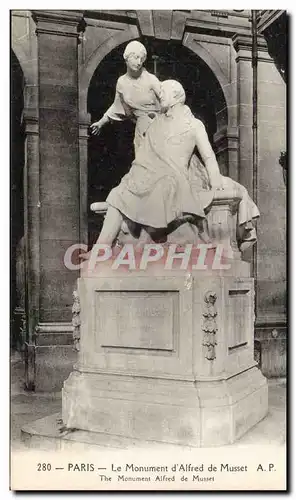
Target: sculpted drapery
[166,179]
[138,100]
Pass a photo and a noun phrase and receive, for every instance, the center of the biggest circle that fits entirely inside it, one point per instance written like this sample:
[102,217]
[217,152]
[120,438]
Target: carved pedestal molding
[222,221]
[209,326]
[76,320]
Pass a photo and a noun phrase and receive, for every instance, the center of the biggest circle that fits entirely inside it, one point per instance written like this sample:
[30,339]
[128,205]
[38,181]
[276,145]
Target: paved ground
[28,406]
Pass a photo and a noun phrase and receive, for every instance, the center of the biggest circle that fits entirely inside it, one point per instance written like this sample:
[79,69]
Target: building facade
[64,68]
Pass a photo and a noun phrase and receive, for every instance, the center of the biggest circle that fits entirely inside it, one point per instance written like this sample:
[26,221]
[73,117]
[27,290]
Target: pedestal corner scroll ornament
[209,325]
[76,320]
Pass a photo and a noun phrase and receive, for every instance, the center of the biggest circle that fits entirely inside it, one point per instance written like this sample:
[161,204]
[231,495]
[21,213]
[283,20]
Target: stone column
[31,212]
[31,228]
[243,46]
[270,257]
[57,192]
[271,247]
[84,122]
[59,158]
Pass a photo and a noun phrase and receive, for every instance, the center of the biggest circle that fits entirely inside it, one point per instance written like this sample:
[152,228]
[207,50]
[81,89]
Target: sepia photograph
[148,250]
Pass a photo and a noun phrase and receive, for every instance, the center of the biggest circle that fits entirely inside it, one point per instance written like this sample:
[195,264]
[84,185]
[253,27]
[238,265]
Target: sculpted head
[135,55]
[172,93]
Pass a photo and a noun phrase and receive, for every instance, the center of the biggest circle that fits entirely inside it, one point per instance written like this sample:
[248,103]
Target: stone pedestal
[166,358]
[168,355]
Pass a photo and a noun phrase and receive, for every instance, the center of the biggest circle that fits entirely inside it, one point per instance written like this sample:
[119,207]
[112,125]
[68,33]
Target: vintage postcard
[148,250]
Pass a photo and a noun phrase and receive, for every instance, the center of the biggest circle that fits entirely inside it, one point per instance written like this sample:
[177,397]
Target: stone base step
[48,433]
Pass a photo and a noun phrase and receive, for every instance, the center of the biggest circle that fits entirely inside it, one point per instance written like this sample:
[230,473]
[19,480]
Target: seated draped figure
[168,184]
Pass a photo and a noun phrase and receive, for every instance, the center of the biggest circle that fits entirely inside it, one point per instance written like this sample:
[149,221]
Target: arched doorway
[111,154]
[17,271]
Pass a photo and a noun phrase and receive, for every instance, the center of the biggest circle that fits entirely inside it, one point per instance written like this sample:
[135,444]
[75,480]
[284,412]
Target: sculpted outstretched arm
[115,112]
[207,154]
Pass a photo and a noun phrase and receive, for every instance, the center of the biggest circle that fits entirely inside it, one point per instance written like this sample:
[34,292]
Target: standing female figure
[137,94]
